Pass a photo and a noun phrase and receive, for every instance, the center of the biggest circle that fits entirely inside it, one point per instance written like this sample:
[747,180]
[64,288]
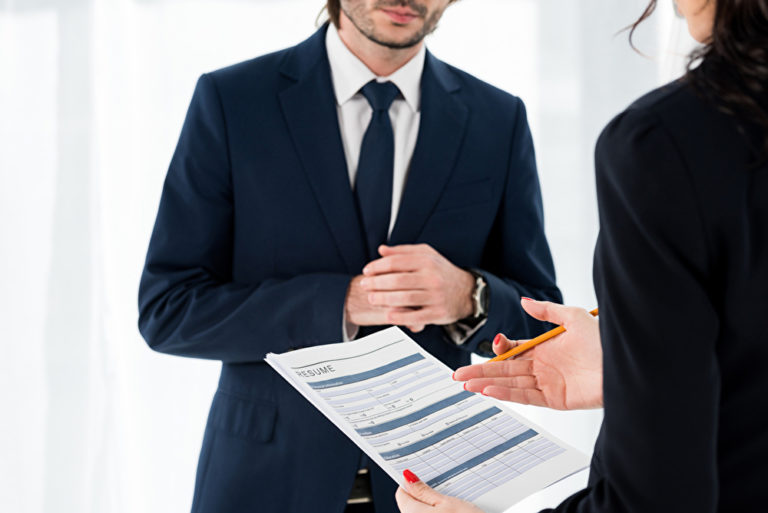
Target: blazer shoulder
[662,97]
[640,145]
[264,70]
[651,116]
[254,81]
[477,91]
[250,70]
[673,107]
[490,105]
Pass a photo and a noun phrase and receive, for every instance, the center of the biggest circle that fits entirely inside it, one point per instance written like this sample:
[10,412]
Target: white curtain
[92,97]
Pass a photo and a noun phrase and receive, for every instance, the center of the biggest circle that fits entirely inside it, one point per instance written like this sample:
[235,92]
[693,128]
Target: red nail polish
[410,476]
[465,385]
[526,298]
[497,339]
[453,376]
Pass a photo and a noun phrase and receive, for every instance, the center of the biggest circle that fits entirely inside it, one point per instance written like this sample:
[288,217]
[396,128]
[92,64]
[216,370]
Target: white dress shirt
[349,75]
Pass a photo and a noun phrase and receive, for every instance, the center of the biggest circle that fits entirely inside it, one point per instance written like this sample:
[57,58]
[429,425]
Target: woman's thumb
[544,310]
[420,490]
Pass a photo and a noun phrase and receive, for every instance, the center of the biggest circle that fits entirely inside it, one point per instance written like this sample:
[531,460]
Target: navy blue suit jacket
[257,239]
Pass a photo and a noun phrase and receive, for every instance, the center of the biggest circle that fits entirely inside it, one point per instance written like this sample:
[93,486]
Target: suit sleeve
[517,260]
[189,304]
[658,328]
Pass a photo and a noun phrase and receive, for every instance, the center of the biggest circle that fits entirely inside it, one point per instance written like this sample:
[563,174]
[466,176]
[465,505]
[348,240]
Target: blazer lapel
[309,108]
[443,122]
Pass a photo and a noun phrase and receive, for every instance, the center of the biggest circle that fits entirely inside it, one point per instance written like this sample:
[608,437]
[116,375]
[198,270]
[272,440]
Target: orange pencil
[533,342]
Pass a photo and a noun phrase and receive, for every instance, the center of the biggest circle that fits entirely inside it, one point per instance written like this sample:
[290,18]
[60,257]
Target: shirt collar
[349,74]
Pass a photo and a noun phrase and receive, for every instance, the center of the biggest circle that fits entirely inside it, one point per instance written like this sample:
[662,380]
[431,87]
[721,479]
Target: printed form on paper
[399,404]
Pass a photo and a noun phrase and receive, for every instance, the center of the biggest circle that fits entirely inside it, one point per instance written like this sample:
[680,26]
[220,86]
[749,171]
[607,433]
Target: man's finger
[406,249]
[401,298]
[394,281]
[505,369]
[477,385]
[410,317]
[394,264]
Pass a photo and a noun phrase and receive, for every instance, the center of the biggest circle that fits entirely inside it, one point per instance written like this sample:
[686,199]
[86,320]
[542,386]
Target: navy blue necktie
[373,183]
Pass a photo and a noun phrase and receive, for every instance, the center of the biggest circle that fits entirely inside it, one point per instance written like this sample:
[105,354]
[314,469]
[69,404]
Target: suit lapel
[309,108]
[443,122]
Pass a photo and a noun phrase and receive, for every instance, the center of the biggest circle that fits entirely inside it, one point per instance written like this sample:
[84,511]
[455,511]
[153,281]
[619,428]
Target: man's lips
[401,15]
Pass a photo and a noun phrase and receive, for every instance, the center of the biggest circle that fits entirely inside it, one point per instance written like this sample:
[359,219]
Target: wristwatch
[480,297]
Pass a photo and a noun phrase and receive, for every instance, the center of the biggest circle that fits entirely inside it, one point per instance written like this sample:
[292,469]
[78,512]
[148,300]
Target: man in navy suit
[349,182]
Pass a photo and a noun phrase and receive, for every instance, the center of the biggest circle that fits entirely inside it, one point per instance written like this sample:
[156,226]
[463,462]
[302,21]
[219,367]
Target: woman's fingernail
[453,376]
[410,476]
[526,298]
[497,339]
[465,385]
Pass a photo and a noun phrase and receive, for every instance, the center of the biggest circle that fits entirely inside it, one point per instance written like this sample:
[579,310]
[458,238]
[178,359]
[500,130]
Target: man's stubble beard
[366,27]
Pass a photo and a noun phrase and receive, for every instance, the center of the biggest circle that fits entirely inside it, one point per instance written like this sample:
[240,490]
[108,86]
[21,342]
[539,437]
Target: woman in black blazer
[681,275]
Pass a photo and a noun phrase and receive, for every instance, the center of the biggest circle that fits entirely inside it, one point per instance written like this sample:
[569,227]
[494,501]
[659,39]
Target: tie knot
[380,94]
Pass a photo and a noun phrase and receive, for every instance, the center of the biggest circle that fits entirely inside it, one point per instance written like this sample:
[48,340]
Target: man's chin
[396,43]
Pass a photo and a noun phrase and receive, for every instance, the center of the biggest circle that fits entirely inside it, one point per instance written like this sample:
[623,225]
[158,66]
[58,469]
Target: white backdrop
[92,97]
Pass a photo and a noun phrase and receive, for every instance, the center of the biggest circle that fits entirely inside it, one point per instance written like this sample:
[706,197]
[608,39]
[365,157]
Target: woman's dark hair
[732,66]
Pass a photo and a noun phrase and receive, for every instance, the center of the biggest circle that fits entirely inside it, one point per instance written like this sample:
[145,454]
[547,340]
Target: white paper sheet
[399,404]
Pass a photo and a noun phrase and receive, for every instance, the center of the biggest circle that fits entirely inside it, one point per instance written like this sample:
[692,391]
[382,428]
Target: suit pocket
[465,194]
[243,418]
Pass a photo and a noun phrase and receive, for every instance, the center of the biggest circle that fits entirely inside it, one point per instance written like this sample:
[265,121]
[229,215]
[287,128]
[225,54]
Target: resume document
[399,404]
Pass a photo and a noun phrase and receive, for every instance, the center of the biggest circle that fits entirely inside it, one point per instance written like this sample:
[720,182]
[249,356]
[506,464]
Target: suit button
[485,347]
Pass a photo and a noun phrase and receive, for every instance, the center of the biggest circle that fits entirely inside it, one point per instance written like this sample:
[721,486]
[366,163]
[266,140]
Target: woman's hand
[564,373]
[417,497]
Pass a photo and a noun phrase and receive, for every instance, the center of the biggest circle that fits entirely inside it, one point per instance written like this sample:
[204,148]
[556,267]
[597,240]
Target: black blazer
[681,275]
